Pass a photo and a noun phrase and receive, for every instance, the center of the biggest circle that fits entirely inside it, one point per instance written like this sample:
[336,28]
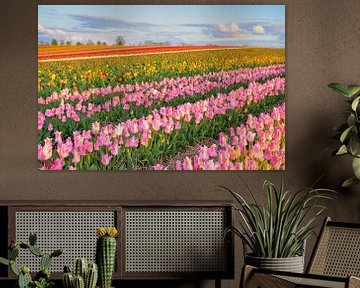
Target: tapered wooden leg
[246,274]
[250,278]
[354,282]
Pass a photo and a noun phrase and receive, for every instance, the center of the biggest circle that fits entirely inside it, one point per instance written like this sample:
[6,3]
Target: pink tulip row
[259,144]
[146,94]
[234,76]
[136,132]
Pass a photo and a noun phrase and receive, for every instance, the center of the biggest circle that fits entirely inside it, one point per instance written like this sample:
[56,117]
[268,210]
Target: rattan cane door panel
[75,231]
[175,241]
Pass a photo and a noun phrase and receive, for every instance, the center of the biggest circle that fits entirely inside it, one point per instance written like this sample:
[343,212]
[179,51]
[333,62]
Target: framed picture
[161,87]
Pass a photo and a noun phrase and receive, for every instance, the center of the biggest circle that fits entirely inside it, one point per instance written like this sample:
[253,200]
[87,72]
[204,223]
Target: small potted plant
[42,278]
[275,234]
[106,254]
[349,132]
[87,274]
[84,274]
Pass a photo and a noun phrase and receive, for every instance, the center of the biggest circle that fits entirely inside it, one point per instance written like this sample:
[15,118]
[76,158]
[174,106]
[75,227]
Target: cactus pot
[291,264]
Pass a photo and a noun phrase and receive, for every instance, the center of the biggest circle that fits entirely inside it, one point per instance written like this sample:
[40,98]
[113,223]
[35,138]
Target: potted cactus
[106,254]
[42,278]
[84,275]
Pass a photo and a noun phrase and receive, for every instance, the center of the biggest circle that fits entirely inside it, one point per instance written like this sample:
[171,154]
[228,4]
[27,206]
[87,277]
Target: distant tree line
[119,41]
[56,42]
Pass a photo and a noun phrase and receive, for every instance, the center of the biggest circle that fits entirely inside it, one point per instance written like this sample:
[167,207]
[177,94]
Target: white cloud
[232,28]
[258,29]
[57,32]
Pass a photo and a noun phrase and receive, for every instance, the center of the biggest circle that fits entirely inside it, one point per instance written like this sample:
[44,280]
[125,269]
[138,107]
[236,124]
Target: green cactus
[92,266]
[68,280]
[87,272]
[91,276]
[25,269]
[13,253]
[14,268]
[32,239]
[36,251]
[24,245]
[67,269]
[24,279]
[79,282]
[57,252]
[80,268]
[4,261]
[106,254]
[45,261]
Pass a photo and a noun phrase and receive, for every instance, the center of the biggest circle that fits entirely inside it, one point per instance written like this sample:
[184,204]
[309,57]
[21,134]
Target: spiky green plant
[79,282]
[68,280]
[106,254]
[280,229]
[91,275]
[84,273]
[80,267]
[42,278]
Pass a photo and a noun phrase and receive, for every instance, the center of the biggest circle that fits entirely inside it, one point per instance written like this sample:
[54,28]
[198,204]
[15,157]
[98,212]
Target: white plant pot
[291,264]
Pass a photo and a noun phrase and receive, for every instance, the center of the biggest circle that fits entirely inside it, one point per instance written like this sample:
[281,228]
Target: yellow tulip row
[84,74]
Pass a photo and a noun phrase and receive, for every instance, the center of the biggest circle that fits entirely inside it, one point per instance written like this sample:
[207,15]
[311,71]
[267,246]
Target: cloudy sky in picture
[251,25]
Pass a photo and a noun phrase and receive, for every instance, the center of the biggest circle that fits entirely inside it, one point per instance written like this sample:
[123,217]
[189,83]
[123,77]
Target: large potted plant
[349,131]
[275,234]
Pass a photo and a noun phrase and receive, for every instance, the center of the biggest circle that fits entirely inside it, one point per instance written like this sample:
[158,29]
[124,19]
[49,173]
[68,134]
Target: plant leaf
[354,145]
[14,268]
[356,167]
[342,150]
[351,120]
[353,89]
[4,261]
[349,182]
[355,103]
[345,134]
[340,88]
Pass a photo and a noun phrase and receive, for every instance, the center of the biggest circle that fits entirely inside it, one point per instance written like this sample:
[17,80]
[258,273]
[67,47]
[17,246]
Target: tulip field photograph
[161,87]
